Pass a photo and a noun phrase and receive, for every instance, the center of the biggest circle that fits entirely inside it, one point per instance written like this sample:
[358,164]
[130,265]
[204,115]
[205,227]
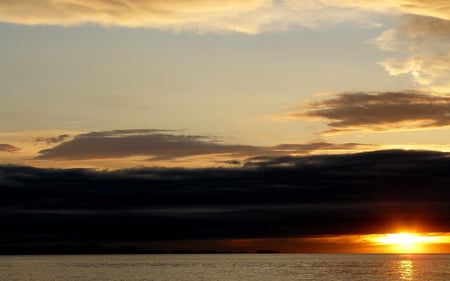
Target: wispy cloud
[320,146]
[422,37]
[130,13]
[432,8]
[4,147]
[225,15]
[252,16]
[379,111]
[52,140]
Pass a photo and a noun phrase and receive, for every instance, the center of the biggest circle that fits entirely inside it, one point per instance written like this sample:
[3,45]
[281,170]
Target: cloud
[422,38]
[424,29]
[178,14]
[279,197]
[251,16]
[121,12]
[432,8]
[379,111]
[4,147]
[307,148]
[126,143]
[158,145]
[423,45]
[52,140]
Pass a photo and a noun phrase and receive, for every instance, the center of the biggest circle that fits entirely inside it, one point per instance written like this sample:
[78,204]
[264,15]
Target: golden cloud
[129,13]
[225,15]
[422,45]
[433,8]
[250,16]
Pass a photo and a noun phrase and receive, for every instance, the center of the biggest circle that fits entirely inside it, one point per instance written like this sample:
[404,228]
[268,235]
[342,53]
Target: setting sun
[407,242]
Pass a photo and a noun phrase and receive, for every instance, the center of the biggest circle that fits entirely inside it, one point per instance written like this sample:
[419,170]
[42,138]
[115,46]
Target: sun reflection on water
[406,270]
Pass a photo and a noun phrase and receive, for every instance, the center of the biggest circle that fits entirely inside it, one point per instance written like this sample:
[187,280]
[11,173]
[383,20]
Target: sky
[151,90]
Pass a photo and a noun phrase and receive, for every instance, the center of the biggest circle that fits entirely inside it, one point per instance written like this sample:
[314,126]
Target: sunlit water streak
[406,270]
[228,267]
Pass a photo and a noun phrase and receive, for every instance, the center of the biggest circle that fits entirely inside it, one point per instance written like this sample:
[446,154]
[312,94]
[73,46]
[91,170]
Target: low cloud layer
[383,111]
[273,197]
[4,147]
[159,145]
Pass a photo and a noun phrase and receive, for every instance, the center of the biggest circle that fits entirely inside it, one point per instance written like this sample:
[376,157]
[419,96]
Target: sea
[230,267]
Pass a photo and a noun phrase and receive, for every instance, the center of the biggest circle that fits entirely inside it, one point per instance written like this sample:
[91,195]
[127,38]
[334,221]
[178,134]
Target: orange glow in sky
[406,242]
[402,242]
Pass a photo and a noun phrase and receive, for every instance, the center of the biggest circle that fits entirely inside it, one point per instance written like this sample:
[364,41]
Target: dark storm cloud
[270,197]
[4,147]
[165,145]
[380,111]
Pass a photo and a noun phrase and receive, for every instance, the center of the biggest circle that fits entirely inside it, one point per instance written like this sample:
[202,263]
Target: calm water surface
[230,267]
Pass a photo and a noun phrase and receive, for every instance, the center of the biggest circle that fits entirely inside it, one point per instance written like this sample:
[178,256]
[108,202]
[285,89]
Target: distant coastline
[101,250]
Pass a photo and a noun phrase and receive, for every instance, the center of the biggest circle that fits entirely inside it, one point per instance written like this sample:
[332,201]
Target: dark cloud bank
[269,197]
